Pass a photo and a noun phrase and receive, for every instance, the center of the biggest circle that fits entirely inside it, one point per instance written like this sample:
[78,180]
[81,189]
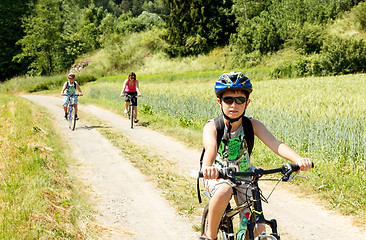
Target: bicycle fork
[259,216]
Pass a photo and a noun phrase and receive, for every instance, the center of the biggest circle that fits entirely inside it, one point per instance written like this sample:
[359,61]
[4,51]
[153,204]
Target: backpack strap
[220,126]
[249,133]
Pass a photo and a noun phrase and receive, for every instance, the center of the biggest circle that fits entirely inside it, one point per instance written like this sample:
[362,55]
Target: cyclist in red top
[130,90]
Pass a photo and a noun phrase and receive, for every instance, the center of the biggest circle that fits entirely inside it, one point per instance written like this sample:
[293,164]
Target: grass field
[321,118]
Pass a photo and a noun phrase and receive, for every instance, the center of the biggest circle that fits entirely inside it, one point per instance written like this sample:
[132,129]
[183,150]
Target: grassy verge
[39,199]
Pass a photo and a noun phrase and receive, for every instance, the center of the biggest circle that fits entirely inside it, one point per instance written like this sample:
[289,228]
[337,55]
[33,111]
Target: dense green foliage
[198,26]
[360,13]
[271,25]
[11,12]
[135,7]
[55,33]
[54,39]
[337,56]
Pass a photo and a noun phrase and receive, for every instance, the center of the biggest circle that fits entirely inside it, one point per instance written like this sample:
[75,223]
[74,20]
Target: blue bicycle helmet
[232,81]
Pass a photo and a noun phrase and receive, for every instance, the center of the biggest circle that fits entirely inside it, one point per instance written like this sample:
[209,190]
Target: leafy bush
[282,71]
[267,25]
[343,56]
[258,34]
[338,56]
[308,38]
[195,27]
[126,23]
[125,51]
[360,14]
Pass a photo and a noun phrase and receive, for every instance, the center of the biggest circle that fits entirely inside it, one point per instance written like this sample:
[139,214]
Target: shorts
[243,193]
[74,100]
[132,96]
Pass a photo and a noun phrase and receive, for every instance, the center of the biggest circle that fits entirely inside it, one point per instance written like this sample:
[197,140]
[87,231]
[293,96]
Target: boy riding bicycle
[69,93]
[232,91]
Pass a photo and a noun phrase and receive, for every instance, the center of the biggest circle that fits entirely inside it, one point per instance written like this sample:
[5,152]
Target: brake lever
[299,176]
[230,174]
[291,177]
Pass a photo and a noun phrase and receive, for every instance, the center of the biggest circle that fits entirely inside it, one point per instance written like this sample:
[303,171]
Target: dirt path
[137,211]
[128,204]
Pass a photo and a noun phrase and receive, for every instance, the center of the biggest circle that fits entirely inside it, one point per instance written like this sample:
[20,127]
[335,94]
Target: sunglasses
[230,100]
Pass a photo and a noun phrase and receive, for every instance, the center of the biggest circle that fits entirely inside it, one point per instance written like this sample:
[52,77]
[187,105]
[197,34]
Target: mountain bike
[254,203]
[71,113]
[131,98]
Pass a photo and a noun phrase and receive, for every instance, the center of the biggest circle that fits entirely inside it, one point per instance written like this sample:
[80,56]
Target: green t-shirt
[233,152]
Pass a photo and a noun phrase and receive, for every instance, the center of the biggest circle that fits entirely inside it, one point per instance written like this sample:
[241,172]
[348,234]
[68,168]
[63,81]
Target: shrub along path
[135,211]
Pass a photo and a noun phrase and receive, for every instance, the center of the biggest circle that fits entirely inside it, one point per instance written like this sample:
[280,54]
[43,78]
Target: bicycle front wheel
[72,118]
[225,231]
[131,115]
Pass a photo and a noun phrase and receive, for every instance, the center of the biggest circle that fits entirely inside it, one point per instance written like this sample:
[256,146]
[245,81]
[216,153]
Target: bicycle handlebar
[77,94]
[287,169]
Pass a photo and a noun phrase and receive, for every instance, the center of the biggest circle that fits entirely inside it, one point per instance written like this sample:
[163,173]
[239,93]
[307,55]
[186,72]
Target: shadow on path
[94,127]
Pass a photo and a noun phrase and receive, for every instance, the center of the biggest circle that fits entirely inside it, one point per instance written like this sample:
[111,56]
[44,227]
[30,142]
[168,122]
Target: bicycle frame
[71,113]
[255,203]
[257,213]
[259,217]
[130,109]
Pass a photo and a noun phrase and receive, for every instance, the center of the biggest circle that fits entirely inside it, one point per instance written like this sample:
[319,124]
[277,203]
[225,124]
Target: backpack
[220,126]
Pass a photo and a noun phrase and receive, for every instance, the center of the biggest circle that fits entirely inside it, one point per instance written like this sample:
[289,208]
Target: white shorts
[243,192]
[74,100]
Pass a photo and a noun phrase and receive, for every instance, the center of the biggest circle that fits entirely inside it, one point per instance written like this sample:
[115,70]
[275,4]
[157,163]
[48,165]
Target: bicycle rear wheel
[225,232]
[72,118]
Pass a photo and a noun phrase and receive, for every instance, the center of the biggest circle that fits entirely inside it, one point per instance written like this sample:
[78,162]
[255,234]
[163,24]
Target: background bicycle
[254,203]
[71,111]
[130,112]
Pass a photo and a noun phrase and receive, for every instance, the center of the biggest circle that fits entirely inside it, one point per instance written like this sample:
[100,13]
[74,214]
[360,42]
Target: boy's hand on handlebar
[210,173]
[304,164]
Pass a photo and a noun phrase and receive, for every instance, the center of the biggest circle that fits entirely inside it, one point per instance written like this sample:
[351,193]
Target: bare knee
[224,193]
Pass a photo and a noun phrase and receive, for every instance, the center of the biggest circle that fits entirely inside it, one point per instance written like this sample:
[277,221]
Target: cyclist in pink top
[130,90]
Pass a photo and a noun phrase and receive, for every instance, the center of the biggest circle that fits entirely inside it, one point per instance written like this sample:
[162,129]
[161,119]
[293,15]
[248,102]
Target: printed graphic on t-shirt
[71,89]
[234,152]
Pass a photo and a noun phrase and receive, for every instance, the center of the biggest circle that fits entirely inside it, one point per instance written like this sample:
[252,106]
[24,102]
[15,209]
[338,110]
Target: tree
[11,13]
[43,41]
[198,26]
[56,32]
[248,9]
